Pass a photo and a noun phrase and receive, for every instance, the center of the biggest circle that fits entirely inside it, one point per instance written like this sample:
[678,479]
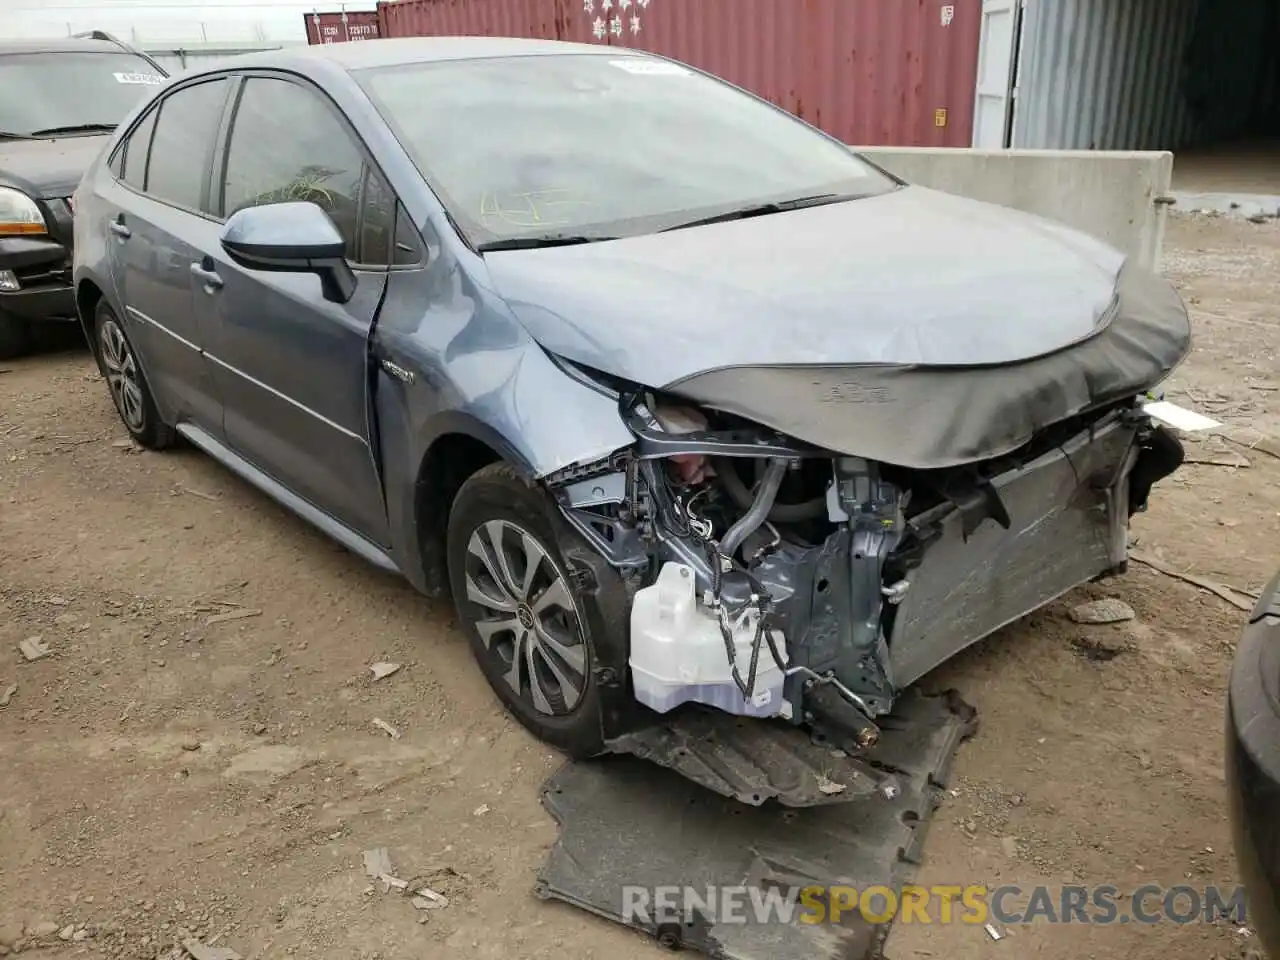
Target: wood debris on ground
[200,494]
[231,615]
[1204,583]
[378,866]
[1239,462]
[386,728]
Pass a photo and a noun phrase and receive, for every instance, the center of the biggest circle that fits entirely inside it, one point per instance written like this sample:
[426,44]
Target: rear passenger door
[291,367]
[159,204]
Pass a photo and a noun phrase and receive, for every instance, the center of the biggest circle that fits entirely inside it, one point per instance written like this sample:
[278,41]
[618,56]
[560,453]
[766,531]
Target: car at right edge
[1253,764]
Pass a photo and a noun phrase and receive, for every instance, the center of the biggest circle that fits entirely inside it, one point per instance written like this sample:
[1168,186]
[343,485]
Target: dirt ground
[163,775]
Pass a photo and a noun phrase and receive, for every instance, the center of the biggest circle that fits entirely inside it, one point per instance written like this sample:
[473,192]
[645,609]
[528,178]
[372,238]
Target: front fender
[539,423]
[465,367]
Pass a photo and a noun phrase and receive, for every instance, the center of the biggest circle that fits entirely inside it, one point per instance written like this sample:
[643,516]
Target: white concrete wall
[1111,195]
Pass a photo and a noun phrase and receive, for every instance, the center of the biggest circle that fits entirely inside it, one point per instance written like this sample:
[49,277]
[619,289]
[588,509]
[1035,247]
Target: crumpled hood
[911,277]
[916,328]
[48,168]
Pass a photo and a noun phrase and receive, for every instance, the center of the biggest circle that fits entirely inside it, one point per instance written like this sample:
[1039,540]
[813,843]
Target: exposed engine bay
[771,578]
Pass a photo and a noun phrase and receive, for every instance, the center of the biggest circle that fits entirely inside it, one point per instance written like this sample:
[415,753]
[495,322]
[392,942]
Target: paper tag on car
[149,79]
[1179,417]
[650,68]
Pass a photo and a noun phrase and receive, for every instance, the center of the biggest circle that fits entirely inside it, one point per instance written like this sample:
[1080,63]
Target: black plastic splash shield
[630,830]
[754,761]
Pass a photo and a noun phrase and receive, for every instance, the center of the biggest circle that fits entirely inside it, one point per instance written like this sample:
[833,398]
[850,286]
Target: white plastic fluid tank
[678,653]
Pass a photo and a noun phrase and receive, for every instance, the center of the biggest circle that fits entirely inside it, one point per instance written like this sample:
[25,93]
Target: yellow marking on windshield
[532,208]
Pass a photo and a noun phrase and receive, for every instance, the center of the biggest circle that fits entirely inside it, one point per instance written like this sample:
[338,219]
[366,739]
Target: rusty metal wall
[873,72]
[547,19]
[342,27]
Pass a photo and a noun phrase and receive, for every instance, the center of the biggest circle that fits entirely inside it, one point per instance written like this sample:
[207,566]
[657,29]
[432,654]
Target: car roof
[367,54]
[61,45]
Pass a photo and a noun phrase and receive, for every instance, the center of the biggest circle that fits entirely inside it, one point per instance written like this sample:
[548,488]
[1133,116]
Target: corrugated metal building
[867,71]
[1049,74]
[1128,74]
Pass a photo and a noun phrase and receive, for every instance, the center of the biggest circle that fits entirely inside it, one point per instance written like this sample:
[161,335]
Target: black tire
[126,382]
[499,498]
[15,337]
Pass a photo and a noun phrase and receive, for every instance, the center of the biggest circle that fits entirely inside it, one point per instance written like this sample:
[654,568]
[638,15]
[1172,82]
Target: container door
[997,53]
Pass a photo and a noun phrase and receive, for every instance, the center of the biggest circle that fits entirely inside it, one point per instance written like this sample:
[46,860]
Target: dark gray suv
[59,102]
[689,406]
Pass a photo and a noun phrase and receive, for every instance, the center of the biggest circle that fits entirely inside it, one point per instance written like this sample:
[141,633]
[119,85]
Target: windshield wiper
[9,135]
[75,128]
[763,209]
[537,243]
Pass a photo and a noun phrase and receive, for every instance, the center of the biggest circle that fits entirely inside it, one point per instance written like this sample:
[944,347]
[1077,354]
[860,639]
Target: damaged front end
[771,578]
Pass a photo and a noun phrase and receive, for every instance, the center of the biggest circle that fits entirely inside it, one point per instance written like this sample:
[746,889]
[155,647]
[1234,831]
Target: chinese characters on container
[613,17]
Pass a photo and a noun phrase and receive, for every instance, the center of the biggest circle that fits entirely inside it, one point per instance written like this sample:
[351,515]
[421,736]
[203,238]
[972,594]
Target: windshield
[596,146]
[44,91]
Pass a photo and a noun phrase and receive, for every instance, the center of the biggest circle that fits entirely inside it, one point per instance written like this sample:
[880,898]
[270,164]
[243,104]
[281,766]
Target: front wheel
[129,389]
[521,610]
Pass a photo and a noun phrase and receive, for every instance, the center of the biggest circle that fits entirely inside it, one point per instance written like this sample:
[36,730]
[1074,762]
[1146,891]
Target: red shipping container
[341,27]
[871,72]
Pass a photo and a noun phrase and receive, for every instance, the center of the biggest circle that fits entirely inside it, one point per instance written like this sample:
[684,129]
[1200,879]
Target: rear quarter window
[136,151]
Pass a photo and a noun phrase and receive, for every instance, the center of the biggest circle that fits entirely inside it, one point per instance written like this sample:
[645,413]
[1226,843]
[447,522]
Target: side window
[136,151]
[287,145]
[177,171]
[377,226]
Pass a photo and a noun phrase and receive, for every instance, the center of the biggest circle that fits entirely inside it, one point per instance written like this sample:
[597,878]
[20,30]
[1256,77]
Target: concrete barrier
[1120,197]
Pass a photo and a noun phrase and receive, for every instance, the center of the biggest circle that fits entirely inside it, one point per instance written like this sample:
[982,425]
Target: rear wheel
[129,389]
[15,337]
[521,610]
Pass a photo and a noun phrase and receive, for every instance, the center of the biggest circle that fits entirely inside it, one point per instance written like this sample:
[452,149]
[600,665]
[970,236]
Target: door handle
[210,277]
[120,230]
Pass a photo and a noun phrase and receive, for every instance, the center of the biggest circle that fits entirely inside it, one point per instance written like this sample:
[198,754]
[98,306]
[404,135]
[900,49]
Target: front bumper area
[42,266]
[853,594]
[1253,765]
[57,303]
[1069,513]
[1060,519]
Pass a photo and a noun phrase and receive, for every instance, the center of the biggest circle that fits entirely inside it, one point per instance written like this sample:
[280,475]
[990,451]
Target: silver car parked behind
[682,400]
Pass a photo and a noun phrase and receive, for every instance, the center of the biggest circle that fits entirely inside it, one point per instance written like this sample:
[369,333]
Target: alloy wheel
[529,620]
[122,375]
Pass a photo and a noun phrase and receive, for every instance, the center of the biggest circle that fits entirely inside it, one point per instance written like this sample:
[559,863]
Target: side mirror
[291,238]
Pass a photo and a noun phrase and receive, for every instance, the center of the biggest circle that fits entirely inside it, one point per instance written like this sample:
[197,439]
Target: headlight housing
[19,215]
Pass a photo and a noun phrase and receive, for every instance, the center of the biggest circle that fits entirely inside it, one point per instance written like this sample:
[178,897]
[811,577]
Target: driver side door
[292,367]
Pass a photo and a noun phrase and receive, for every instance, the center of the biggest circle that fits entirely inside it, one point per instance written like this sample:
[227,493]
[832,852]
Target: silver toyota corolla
[682,400]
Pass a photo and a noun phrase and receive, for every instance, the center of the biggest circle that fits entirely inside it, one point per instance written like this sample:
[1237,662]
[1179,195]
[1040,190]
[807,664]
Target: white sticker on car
[149,79]
[651,68]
